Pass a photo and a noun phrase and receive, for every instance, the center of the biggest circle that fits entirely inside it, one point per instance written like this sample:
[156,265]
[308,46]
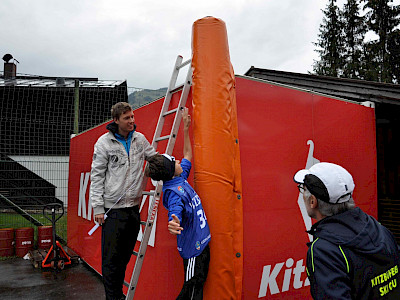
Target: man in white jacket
[116,182]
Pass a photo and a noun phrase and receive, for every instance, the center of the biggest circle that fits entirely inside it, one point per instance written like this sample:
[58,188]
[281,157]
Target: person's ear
[313,202]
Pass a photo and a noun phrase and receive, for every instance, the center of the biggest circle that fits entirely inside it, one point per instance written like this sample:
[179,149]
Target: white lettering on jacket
[195,202]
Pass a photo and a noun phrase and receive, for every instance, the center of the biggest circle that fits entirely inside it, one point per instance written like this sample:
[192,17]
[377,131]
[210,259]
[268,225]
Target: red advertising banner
[281,130]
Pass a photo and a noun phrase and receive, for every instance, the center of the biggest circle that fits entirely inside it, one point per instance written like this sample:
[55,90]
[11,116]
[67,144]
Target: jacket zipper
[129,161]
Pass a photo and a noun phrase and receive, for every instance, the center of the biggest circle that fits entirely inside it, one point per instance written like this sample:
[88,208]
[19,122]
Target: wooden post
[76,107]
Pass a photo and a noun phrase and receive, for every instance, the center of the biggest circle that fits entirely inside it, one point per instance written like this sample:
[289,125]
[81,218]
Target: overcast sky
[138,40]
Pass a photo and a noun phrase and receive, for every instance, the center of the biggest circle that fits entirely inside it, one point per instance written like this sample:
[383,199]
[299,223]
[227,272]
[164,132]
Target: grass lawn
[14,220]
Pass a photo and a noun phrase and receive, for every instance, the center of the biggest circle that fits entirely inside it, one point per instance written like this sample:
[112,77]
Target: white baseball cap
[327,181]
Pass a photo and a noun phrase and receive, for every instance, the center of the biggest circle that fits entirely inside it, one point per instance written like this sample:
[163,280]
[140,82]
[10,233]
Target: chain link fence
[37,118]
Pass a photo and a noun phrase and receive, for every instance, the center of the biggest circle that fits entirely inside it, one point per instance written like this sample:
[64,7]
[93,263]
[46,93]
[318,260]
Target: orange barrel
[23,240]
[45,237]
[7,242]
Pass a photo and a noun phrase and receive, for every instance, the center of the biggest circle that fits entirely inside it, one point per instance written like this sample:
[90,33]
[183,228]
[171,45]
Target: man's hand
[174,226]
[99,219]
[186,118]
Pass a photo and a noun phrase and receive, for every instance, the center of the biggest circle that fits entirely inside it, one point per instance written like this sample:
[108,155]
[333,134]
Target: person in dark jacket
[352,255]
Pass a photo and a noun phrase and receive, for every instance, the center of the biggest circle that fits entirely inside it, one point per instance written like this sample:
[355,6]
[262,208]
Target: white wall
[54,169]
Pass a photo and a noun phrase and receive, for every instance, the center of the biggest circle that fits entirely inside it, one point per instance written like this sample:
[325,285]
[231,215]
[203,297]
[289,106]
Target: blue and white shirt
[180,199]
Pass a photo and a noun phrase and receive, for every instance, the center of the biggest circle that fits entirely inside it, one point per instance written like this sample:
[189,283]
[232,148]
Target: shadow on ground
[20,280]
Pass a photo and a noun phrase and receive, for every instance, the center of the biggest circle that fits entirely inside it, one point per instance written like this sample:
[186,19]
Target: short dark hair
[119,108]
[155,168]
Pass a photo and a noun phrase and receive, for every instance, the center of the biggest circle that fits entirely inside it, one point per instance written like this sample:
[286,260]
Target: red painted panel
[275,124]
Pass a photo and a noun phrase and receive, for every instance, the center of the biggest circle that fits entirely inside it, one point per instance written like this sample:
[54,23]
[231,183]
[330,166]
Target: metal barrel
[45,237]
[23,240]
[7,242]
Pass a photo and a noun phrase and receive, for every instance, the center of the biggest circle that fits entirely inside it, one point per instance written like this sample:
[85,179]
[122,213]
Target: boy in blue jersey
[186,216]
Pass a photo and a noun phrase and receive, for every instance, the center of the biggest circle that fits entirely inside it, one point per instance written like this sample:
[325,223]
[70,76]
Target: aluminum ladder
[155,195]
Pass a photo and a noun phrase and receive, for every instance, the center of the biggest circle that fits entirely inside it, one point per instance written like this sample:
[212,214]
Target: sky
[139,40]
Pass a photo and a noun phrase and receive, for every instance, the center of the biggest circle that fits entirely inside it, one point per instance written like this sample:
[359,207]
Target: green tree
[330,43]
[370,63]
[382,19]
[354,29]
[394,58]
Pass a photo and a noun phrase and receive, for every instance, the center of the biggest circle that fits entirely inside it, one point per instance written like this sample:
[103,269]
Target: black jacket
[353,257]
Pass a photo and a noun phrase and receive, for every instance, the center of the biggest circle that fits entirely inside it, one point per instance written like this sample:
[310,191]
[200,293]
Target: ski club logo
[198,245]
[311,160]
[181,189]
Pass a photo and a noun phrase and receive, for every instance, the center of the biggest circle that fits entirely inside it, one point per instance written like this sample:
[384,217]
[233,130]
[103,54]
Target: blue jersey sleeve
[173,203]
[186,167]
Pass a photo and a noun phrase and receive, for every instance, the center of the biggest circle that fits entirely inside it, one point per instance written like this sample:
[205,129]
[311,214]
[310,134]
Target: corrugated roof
[58,82]
[352,89]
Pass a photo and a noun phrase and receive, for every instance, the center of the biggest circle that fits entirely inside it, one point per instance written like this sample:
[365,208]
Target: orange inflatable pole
[217,176]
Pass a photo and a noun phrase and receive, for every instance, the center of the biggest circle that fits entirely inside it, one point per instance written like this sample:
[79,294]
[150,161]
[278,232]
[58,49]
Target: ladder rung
[137,254]
[170,112]
[144,223]
[161,138]
[126,284]
[177,88]
[184,63]
[148,193]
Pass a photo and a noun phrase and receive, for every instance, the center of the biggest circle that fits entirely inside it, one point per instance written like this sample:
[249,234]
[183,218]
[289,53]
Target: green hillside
[140,98]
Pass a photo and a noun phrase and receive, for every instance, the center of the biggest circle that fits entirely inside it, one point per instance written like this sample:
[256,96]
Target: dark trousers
[196,270]
[118,239]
